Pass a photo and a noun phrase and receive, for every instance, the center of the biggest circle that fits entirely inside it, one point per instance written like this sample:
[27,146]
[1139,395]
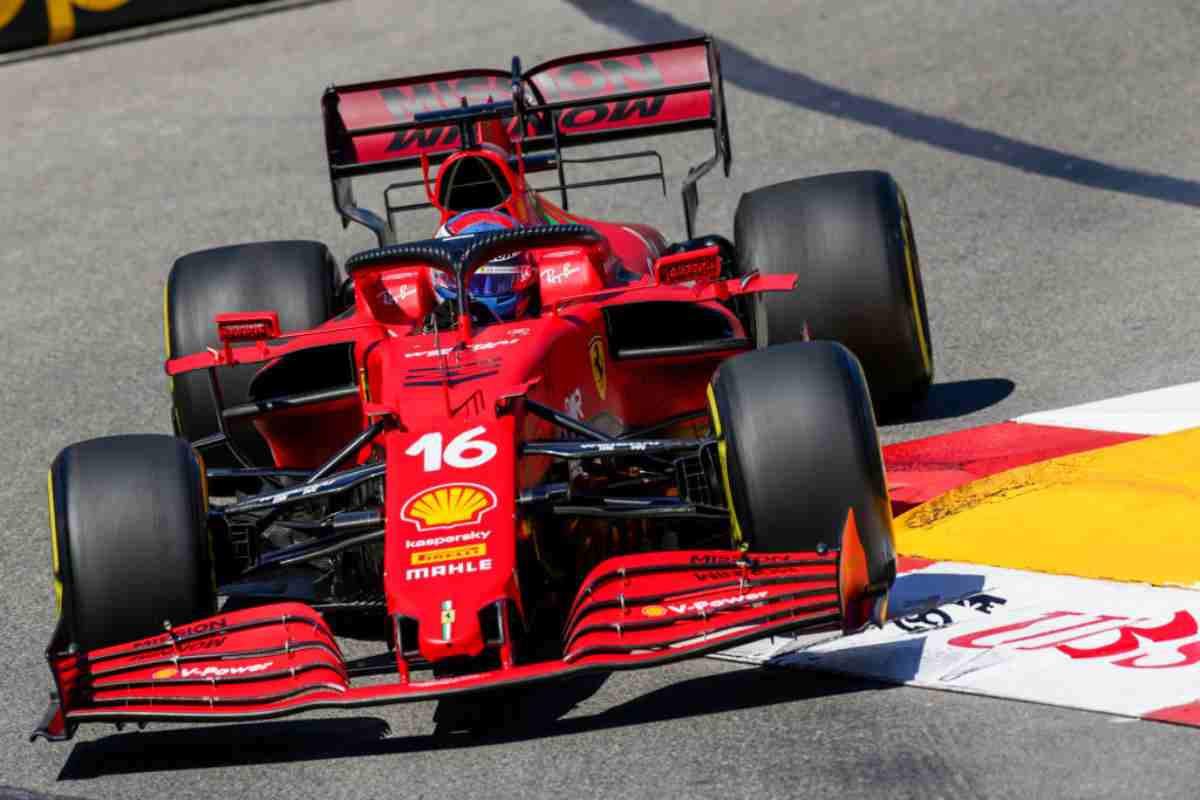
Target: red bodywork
[454,410]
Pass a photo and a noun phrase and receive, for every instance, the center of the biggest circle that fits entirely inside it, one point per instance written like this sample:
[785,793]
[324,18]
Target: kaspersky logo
[448,506]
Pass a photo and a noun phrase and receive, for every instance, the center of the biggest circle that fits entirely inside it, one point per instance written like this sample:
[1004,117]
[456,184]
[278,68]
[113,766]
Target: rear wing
[610,95]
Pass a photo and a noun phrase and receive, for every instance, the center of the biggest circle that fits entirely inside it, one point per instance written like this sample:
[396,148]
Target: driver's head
[507,284]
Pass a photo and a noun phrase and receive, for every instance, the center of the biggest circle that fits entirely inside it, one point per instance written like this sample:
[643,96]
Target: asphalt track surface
[1049,152]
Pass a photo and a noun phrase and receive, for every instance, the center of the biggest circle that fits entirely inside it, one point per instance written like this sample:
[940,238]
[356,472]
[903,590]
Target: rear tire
[297,279]
[131,544]
[799,450]
[849,238]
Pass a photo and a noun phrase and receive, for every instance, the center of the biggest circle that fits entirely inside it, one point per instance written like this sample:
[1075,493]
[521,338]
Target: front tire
[849,237]
[799,449]
[130,539]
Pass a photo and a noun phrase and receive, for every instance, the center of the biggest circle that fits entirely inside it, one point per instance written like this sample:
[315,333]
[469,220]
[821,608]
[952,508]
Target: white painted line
[1152,413]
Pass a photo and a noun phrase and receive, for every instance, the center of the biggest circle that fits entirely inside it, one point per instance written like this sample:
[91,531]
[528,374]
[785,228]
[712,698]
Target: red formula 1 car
[532,445]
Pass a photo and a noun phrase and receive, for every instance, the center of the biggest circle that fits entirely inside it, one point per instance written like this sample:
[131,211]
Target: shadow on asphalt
[740,67]
[957,399]
[357,737]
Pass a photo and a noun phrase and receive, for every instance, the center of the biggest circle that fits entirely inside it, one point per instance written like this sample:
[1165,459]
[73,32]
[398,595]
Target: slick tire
[130,541]
[849,237]
[798,449]
[296,279]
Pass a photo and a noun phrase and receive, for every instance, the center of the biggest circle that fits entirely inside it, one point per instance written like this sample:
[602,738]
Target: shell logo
[448,505]
[654,611]
[163,674]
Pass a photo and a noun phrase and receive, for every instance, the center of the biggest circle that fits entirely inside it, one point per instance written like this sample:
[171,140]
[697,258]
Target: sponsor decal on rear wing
[592,97]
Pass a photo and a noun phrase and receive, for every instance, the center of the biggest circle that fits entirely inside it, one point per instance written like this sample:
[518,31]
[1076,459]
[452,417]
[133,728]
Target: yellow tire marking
[1126,512]
[166,322]
[735,528]
[926,356]
[54,560]
[167,337]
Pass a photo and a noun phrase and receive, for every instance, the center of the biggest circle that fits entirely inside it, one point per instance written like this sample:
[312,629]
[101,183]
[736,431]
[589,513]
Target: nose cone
[449,550]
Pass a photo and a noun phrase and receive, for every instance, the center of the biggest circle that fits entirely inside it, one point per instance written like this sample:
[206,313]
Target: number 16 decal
[462,452]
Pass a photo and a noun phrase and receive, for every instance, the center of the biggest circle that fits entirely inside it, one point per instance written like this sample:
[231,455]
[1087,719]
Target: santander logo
[1131,643]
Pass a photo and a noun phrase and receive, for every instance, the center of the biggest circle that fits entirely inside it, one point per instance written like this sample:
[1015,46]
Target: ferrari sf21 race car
[530,446]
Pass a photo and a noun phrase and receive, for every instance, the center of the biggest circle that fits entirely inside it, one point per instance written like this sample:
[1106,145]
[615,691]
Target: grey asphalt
[1049,150]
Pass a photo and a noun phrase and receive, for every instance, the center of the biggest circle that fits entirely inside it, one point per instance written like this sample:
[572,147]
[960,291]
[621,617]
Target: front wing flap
[632,611]
[689,601]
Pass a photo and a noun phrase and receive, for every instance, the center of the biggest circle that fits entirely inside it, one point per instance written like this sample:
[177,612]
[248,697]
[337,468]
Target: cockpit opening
[473,182]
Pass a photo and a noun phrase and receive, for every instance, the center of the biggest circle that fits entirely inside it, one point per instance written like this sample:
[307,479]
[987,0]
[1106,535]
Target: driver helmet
[507,284]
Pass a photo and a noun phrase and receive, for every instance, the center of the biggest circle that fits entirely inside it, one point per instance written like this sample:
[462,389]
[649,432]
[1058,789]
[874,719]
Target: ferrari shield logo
[447,618]
[599,366]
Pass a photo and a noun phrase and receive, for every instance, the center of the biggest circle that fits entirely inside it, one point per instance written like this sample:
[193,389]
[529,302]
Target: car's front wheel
[799,450]
[129,538]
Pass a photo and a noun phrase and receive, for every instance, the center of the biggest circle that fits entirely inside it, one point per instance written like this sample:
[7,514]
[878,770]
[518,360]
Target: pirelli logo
[449,554]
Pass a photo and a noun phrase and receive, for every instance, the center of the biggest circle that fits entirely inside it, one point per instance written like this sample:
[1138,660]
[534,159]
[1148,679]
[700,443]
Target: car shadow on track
[956,399]
[357,737]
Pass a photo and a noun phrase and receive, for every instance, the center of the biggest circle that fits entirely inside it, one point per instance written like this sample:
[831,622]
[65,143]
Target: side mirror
[247,326]
[691,265]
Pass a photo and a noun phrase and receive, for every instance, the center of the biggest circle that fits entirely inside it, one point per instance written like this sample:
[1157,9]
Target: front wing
[632,611]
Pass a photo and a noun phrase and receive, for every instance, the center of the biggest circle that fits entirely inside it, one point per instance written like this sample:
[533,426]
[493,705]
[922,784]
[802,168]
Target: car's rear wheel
[129,538]
[296,279]
[798,450]
[849,237]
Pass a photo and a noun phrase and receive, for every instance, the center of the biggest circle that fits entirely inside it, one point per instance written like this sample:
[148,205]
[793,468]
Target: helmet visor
[490,280]
[495,279]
